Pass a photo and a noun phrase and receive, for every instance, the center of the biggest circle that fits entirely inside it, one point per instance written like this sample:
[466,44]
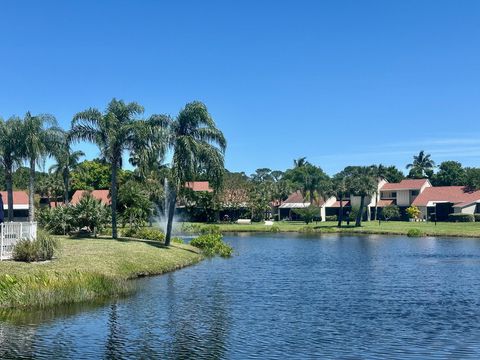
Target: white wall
[468,209]
[403,197]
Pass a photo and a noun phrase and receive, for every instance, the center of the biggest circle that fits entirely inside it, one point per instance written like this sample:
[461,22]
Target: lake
[281,296]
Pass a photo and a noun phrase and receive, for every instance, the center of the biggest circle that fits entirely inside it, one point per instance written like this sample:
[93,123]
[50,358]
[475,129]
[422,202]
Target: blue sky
[340,82]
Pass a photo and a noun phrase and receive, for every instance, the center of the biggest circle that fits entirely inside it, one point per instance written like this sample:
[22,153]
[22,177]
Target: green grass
[372,227]
[88,269]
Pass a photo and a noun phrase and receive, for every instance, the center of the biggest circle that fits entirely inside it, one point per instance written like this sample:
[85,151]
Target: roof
[295,200]
[407,184]
[198,186]
[457,195]
[20,199]
[385,202]
[102,195]
[336,204]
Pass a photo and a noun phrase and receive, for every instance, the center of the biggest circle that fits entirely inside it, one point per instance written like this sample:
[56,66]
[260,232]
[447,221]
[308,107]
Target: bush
[331,218]
[145,233]
[190,228]
[306,229]
[58,220]
[210,229]
[414,233]
[41,249]
[274,228]
[177,240]
[461,218]
[391,212]
[212,244]
[413,212]
[308,214]
[477,217]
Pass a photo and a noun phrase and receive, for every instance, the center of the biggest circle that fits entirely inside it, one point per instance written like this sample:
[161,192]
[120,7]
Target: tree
[198,145]
[10,156]
[422,166]
[90,213]
[361,181]
[92,175]
[391,212]
[114,131]
[472,179]
[300,162]
[134,203]
[307,214]
[392,174]
[450,173]
[39,136]
[340,190]
[67,161]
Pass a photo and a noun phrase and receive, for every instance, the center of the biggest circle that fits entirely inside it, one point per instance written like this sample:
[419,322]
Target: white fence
[11,233]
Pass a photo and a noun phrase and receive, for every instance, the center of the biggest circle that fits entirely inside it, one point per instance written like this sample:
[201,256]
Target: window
[414,192]
[394,194]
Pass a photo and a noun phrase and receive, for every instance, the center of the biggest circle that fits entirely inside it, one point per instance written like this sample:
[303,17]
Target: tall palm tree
[197,144]
[380,172]
[302,161]
[10,154]
[39,135]
[422,165]
[66,161]
[340,190]
[114,131]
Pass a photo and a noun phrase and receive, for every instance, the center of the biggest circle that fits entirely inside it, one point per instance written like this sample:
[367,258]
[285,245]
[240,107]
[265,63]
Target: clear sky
[340,82]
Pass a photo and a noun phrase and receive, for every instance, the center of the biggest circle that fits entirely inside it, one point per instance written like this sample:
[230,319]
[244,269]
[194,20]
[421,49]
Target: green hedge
[331,218]
[461,218]
[477,217]
[415,233]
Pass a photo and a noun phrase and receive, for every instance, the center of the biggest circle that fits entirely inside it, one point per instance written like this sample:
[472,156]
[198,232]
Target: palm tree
[422,165]
[380,172]
[197,144]
[302,161]
[361,181]
[39,135]
[114,131]
[67,161]
[340,190]
[10,155]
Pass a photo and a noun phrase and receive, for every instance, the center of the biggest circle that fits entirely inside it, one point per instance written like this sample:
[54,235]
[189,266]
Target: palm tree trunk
[376,206]
[340,214]
[358,222]
[113,193]
[171,211]
[65,188]
[9,181]
[31,190]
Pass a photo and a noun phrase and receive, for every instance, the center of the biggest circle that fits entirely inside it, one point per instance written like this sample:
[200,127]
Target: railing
[13,232]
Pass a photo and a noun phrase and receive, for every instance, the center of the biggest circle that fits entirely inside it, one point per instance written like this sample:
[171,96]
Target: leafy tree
[472,178]
[422,166]
[234,192]
[10,156]
[392,174]
[361,181]
[39,136]
[114,131]
[450,173]
[300,162]
[67,161]
[134,203]
[91,175]
[198,145]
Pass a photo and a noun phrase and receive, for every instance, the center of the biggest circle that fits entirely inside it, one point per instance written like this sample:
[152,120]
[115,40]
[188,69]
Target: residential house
[20,205]
[102,195]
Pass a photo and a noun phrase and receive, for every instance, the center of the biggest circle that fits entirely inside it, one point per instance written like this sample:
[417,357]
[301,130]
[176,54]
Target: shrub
[212,244]
[477,217]
[40,249]
[274,228]
[461,218]
[331,218]
[391,212]
[177,240]
[308,214]
[414,233]
[413,212]
[210,229]
[306,229]
[58,220]
[91,213]
[145,233]
[190,228]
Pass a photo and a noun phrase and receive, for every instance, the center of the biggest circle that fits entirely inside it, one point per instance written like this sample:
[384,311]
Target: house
[199,186]
[20,205]
[296,201]
[441,201]
[102,195]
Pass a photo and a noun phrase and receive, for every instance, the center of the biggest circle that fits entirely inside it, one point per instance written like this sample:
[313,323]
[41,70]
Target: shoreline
[88,270]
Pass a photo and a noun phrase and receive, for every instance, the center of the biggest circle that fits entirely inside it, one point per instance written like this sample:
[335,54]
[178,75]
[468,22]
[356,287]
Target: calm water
[281,296]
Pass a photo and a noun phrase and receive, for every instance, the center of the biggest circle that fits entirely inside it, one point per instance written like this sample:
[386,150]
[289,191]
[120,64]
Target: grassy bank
[372,227]
[88,269]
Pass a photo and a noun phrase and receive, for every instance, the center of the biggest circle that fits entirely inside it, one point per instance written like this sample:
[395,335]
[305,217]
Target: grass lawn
[86,269]
[372,227]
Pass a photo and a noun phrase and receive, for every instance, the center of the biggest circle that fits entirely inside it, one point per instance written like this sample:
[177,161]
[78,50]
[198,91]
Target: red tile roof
[102,195]
[407,184]
[19,198]
[385,202]
[198,186]
[453,194]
